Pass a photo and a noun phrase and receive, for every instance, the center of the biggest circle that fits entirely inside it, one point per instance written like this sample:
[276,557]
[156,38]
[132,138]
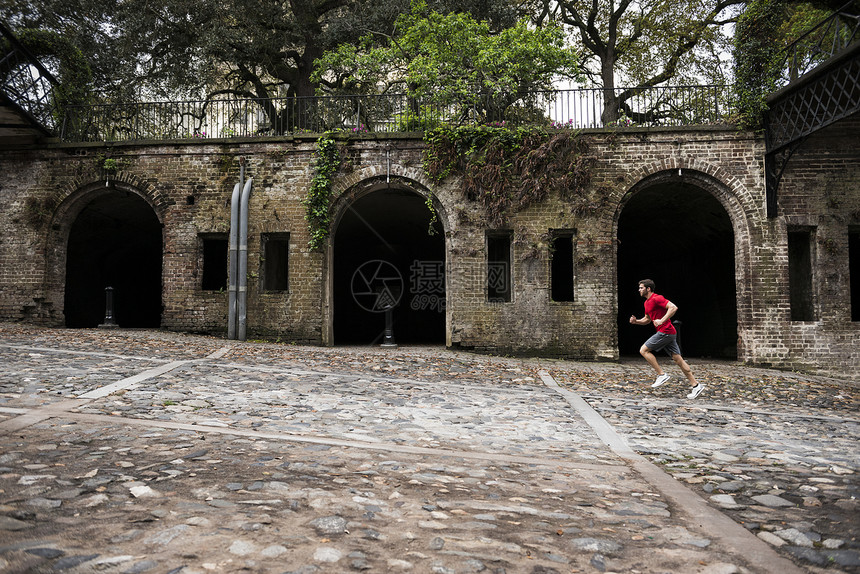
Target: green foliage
[110,165]
[508,169]
[318,201]
[647,43]
[453,60]
[73,70]
[763,32]
[434,216]
[173,49]
[422,119]
[757,56]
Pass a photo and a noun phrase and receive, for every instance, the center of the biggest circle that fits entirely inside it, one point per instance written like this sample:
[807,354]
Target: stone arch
[363,230]
[687,230]
[108,230]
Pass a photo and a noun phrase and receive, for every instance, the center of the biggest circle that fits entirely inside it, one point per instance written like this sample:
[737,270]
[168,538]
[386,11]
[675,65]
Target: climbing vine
[434,216]
[508,169]
[318,201]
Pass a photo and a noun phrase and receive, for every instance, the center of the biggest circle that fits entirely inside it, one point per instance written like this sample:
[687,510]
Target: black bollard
[388,337]
[109,322]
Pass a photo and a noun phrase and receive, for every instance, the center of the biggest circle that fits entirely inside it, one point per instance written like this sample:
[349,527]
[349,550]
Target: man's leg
[697,387]
[648,354]
[662,377]
[688,372]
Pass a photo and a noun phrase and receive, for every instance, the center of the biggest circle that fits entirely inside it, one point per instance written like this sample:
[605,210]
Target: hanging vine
[318,201]
[508,169]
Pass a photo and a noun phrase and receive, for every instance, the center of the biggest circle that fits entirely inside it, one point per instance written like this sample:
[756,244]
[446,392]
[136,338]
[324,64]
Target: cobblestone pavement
[146,451]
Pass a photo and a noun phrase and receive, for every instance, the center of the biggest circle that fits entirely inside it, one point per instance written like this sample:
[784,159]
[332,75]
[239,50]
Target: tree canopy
[646,43]
[144,49]
[764,30]
[191,48]
[451,50]
[452,59]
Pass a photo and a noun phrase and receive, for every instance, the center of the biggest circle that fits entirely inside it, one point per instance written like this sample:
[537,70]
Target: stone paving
[145,451]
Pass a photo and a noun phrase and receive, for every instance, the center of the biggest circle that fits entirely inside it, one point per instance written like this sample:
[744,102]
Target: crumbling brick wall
[189,186]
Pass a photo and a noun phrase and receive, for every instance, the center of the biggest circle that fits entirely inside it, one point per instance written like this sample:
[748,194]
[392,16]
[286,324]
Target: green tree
[452,60]
[646,43]
[145,50]
[763,32]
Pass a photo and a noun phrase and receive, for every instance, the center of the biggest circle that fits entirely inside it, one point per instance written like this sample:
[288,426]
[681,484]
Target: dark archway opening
[681,237]
[114,242]
[383,254]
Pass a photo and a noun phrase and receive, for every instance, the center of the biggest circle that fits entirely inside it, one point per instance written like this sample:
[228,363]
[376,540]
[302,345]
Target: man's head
[646,287]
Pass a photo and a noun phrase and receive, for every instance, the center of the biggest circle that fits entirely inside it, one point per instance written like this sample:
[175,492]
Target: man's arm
[643,321]
[671,309]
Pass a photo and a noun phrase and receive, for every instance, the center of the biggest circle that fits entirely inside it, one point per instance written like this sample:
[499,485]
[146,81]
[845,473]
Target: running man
[659,310]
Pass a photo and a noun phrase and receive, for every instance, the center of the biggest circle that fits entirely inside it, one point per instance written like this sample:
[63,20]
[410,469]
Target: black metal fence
[824,40]
[225,118]
[26,83]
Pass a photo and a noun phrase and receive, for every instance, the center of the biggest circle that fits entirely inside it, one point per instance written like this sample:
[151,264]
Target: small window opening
[800,285]
[561,266]
[214,263]
[275,263]
[189,200]
[499,267]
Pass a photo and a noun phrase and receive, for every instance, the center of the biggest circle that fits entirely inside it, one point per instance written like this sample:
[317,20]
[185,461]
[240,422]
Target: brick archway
[106,234]
[380,238]
[686,231]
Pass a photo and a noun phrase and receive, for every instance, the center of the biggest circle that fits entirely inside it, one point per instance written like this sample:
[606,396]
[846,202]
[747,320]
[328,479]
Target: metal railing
[26,83]
[821,42]
[224,118]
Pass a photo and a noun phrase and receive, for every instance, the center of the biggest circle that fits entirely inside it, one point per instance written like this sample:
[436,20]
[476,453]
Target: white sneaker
[697,390]
[660,380]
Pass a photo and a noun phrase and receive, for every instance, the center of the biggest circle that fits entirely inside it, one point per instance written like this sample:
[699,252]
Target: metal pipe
[232,308]
[234,261]
[242,289]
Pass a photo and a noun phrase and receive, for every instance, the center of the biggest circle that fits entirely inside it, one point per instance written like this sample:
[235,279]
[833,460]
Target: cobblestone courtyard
[147,451]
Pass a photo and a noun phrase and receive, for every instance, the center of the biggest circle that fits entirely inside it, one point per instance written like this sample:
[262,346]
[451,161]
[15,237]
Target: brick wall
[189,186]
[819,192]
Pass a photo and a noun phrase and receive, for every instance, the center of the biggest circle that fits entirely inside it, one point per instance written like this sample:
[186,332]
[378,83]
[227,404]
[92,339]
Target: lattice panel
[829,98]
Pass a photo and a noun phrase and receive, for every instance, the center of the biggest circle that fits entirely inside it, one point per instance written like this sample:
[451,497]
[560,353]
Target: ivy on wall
[507,169]
[318,201]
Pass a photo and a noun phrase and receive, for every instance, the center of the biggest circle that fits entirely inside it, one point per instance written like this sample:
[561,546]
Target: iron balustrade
[249,118]
[26,83]
[821,42]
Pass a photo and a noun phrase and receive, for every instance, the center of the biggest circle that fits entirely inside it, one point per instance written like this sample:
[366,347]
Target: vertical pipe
[232,307]
[233,274]
[242,289]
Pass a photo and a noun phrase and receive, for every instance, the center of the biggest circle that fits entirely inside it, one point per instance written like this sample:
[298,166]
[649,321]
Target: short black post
[388,338]
[109,322]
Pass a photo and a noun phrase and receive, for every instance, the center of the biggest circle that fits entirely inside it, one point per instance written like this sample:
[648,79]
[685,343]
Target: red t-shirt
[655,307]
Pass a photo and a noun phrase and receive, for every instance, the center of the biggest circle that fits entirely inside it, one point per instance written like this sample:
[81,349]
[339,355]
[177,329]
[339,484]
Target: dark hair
[648,284]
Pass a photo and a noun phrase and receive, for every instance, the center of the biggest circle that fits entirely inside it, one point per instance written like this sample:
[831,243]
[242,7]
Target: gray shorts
[664,342]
